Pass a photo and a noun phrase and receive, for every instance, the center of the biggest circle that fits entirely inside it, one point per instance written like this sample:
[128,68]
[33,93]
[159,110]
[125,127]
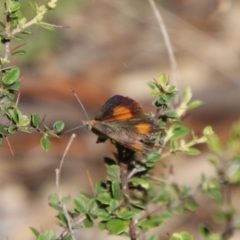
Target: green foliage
[12,29]
[181,236]
[121,203]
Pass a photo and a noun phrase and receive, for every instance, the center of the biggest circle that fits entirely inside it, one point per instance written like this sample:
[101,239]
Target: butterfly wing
[122,120]
[119,108]
[136,134]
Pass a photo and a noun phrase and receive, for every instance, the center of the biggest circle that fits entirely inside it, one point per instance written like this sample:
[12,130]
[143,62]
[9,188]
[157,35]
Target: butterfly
[122,120]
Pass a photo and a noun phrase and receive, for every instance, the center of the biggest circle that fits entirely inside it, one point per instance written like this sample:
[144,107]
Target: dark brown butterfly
[122,120]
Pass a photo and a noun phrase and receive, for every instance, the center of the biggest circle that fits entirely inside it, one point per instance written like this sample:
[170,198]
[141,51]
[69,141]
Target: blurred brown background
[114,47]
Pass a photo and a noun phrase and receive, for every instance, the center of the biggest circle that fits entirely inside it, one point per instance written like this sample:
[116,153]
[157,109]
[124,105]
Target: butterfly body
[122,120]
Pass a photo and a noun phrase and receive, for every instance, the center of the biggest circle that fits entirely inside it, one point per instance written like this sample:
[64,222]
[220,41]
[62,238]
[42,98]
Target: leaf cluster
[132,200]
[13,28]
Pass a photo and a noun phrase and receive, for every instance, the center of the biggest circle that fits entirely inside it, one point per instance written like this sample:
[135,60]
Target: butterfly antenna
[70,130]
[79,101]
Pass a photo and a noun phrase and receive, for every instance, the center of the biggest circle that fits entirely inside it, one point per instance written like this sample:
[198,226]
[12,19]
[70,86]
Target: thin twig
[55,26]
[17,100]
[66,231]
[6,68]
[7,51]
[58,172]
[9,145]
[132,173]
[123,158]
[167,41]
[158,179]
[12,50]
[90,181]
[7,33]
[132,230]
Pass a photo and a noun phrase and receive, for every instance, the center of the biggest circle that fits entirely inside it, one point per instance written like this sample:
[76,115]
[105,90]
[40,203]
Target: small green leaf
[46,26]
[66,199]
[11,76]
[181,236]
[3,130]
[155,90]
[50,133]
[26,32]
[58,126]
[187,95]
[103,214]
[113,205]
[35,232]
[223,216]
[62,219]
[104,198]
[47,235]
[162,80]
[12,129]
[125,214]
[180,132]
[35,118]
[193,151]
[163,197]
[34,5]
[14,6]
[2,24]
[113,173]
[153,157]
[190,204]
[102,225]
[233,172]
[45,143]
[100,187]
[169,89]
[86,196]
[18,52]
[14,113]
[117,226]
[214,144]
[194,104]
[87,222]
[24,121]
[139,205]
[116,190]
[80,205]
[140,182]
[215,194]
[208,131]
[25,130]
[153,237]
[151,223]
[20,38]
[53,198]
[93,206]
[172,114]
[141,169]
[15,86]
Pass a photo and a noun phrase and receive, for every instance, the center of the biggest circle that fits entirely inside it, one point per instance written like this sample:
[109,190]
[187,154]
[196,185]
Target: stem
[7,33]
[124,156]
[162,28]
[35,20]
[58,172]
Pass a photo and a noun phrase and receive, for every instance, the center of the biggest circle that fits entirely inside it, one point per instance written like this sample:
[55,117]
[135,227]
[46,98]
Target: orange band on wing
[136,147]
[121,113]
[143,128]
